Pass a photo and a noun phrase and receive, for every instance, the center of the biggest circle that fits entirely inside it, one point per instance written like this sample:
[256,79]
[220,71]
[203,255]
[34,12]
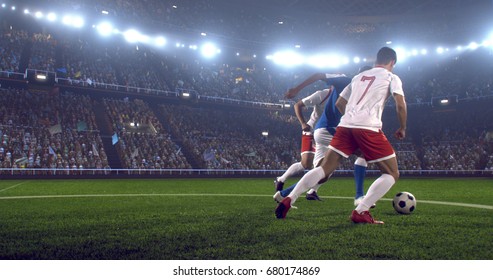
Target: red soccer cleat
[363,218]
[283,208]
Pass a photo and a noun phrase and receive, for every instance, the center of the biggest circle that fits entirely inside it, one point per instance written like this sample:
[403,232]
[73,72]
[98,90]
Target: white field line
[490,207]
[11,187]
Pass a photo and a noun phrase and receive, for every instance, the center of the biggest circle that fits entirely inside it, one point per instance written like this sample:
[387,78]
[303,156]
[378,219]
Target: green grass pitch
[233,219]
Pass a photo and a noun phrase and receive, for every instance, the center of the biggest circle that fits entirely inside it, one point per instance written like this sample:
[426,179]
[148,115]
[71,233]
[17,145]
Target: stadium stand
[104,86]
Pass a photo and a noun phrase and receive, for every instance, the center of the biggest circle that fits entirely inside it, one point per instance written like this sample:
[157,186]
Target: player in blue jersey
[324,131]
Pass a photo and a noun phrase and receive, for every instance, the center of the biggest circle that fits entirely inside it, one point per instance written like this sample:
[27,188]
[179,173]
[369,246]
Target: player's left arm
[298,110]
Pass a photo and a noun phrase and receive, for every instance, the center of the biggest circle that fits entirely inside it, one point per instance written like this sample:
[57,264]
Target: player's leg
[329,164]
[341,145]
[307,153]
[382,185]
[359,178]
[322,139]
[376,148]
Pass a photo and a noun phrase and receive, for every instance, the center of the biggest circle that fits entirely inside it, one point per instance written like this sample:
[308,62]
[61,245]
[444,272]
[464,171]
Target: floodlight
[73,21]
[424,51]
[160,41]
[356,59]
[288,58]
[209,50]
[105,29]
[77,22]
[26,11]
[324,61]
[3,5]
[51,17]
[473,45]
[38,14]
[131,35]
[440,50]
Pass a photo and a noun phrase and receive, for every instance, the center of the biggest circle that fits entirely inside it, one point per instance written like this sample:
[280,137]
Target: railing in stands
[63,172]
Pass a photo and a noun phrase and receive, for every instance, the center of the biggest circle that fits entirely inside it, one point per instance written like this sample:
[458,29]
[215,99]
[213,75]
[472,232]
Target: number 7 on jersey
[364,79]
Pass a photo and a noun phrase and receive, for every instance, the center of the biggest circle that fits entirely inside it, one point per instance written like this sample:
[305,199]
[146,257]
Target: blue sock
[359,179]
[287,191]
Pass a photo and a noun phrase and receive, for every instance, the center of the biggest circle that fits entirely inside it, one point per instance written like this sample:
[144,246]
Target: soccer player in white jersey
[323,132]
[317,101]
[362,102]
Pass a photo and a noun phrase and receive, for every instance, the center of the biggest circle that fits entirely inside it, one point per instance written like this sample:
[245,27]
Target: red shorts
[374,145]
[307,143]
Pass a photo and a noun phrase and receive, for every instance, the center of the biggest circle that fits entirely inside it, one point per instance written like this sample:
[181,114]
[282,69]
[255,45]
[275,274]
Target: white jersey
[366,96]
[316,100]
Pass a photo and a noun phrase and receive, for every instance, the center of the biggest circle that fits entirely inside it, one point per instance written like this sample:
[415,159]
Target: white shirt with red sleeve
[366,96]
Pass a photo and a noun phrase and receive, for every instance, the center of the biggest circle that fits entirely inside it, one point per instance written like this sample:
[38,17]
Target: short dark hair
[386,55]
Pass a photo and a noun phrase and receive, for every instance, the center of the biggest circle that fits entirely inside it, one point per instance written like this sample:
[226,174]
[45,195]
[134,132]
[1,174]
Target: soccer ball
[404,203]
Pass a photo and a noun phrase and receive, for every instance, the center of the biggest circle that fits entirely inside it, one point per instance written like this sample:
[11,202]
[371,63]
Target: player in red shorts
[316,101]
[362,102]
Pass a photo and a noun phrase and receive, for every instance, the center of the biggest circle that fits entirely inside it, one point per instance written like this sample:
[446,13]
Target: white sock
[309,180]
[376,191]
[294,169]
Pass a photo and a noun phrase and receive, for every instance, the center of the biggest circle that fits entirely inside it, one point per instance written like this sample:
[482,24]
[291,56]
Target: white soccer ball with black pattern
[404,203]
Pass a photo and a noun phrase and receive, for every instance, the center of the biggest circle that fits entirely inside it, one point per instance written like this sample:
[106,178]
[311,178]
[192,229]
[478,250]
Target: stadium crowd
[60,130]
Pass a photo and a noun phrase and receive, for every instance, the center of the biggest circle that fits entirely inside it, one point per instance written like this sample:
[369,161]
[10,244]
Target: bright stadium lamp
[131,35]
[473,45]
[77,22]
[51,17]
[38,14]
[209,50]
[160,41]
[105,29]
[325,61]
[288,58]
[73,21]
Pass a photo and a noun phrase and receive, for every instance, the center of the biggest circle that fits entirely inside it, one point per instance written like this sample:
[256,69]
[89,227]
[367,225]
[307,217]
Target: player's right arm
[341,102]
[292,92]
[298,110]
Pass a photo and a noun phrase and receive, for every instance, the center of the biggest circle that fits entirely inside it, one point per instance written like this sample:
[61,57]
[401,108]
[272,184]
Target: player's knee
[323,180]
[395,174]
[307,165]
